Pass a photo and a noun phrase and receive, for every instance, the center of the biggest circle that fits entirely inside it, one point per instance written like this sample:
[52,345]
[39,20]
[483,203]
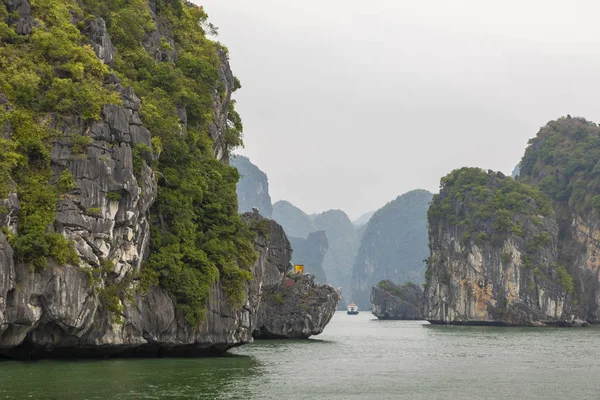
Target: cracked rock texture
[397,302]
[57,312]
[493,278]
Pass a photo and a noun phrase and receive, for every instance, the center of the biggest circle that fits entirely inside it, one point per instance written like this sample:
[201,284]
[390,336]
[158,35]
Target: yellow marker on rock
[299,268]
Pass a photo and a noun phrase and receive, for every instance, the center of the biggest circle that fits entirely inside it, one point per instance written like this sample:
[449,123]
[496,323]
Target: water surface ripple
[357,357]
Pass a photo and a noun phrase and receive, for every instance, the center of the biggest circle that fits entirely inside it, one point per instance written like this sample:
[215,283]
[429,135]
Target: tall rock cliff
[563,160]
[393,246]
[252,188]
[281,304]
[494,256]
[296,308]
[119,226]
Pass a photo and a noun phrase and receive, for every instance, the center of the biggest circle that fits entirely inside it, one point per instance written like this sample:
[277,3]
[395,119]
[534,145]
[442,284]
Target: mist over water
[357,357]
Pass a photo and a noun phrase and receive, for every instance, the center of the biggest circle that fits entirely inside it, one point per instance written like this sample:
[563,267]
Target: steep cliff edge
[287,306]
[391,301]
[563,160]
[57,314]
[296,308]
[493,243]
[119,226]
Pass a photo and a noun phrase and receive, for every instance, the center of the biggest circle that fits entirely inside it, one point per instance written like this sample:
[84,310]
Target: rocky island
[520,252]
[391,301]
[119,231]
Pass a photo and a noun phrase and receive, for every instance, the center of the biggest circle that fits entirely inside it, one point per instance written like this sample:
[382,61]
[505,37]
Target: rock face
[104,227]
[252,188]
[25,21]
[59,311]
[493,257]
[101,41]
[563,161]
[393,246]
[296,308]
[287,306]
[391,301]
[57,314]
[311,252]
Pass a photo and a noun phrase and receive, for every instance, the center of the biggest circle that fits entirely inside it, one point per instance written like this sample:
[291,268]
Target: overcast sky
[347,104]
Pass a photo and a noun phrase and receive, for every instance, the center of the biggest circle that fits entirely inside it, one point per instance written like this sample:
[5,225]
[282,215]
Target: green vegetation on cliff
[484,205]
[51,71]
[564,160]
[397,290]
[197,237]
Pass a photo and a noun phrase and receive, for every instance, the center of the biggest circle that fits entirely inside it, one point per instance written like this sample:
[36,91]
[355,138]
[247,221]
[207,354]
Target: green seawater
[357,357]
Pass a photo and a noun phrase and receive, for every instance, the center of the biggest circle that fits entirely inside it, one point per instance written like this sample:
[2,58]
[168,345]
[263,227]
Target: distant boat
[352,309]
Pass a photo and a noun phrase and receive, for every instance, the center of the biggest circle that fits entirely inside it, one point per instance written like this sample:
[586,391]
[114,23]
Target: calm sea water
[357,357]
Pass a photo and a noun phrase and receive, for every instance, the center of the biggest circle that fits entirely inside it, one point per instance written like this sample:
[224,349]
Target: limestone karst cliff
[119,226]
[494,257]
[397,302]
[563,160]
[521,252]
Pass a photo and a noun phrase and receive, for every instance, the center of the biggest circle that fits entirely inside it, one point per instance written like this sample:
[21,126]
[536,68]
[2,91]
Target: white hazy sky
[347,104]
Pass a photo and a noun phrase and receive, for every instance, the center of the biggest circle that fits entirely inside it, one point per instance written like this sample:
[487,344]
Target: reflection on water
[357,357]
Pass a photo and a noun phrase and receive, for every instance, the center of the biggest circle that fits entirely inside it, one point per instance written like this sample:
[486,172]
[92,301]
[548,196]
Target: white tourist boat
[352,309]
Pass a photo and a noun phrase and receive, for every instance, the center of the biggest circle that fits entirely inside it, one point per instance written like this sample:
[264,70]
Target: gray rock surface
[391,301]
[295,308]
[509,280]
[101,42]
[287,306]
[218,127]
[25,21]
[59,312]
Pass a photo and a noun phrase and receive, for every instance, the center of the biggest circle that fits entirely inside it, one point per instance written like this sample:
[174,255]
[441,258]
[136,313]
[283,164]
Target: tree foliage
[197,237]
[564,160]
[485,203]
